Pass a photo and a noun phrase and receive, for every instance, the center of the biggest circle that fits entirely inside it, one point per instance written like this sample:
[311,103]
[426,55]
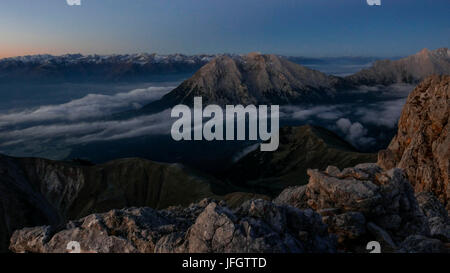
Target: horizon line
[212,54]
[199,54]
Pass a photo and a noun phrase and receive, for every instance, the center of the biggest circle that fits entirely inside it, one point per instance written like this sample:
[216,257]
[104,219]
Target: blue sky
[290,27]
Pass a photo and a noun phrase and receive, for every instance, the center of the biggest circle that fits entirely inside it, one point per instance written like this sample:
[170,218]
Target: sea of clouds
[88,119]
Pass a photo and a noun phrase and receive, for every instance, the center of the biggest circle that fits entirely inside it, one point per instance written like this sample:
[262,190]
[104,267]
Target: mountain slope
[301,148]
[251,79]
[411,69]
[37,191]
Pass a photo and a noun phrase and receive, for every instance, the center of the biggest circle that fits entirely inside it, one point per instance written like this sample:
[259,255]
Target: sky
[314,28]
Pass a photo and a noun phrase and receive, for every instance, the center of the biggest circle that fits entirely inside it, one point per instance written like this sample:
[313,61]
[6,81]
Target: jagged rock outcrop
[272,172]
[256,226]
[411,69]
[361,204]
[421,146]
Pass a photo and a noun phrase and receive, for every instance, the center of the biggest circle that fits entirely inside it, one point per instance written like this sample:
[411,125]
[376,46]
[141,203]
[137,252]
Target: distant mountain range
[77,67]
[145,67]
[412,69]
[126,67]
[345,60]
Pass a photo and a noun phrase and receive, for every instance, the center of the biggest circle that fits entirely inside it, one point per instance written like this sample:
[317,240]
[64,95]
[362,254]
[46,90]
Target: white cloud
[382,113]
[355,133]
[90,106]
[83,132]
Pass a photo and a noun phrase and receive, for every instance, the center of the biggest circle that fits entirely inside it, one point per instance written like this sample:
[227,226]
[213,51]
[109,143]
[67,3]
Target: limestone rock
[421,146]
[127,231]
[436,214]
[205,227]
[294,196]
[347,226]
[361,203]
[257,226]
[422,244]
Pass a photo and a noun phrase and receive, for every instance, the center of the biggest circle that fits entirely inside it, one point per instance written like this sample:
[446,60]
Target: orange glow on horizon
[13,52]
[19,53]
[9,51]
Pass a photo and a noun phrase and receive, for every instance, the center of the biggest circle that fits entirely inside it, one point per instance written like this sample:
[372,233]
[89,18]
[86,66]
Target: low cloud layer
[90,106]
[361,117]
[327,112]
[80,121]
[83,132]
[383,114]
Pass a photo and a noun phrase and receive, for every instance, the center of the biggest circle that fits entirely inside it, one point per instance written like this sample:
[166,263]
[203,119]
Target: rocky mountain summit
[421,146]
[251,79]
[411,69]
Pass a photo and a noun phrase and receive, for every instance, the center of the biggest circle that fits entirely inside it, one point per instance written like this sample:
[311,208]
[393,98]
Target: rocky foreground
[366,203]
[36,192]
[337,211]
